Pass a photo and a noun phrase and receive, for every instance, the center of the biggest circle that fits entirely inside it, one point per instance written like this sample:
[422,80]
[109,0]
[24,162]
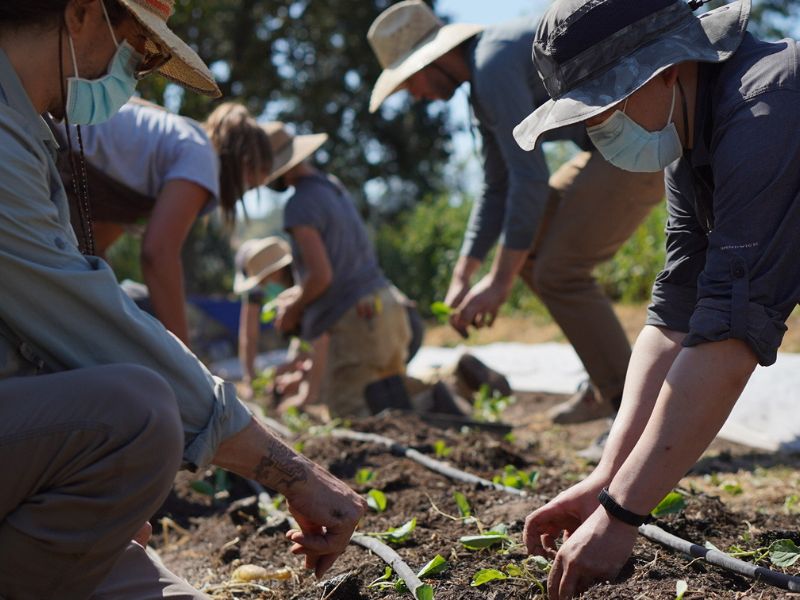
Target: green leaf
[364,476]
[541,562]
[784,553]
[485,540]
[732,487]
[203,487]
[436,565]
[487,575]
[464,509]
[398,535]
[441,311]
[680,589]
[441,449]
[674,502]
[269,312]
[514,570]
[376,500]
[424,592]
[387,574]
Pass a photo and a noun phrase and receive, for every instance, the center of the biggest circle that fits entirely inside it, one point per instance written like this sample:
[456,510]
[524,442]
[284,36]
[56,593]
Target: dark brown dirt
[215,538]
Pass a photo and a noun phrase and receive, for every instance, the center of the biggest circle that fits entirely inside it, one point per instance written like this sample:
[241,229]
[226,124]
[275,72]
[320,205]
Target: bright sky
[488,13]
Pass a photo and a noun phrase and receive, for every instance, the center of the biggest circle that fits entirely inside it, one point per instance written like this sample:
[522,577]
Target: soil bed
[737,497]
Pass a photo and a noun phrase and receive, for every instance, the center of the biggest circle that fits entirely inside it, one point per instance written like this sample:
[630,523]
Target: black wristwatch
[620,513]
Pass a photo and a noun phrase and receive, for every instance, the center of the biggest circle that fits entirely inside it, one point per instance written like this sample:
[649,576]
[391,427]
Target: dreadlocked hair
[47,13]
[244,152]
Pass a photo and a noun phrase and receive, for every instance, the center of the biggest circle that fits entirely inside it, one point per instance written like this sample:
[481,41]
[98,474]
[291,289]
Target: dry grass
[536,329]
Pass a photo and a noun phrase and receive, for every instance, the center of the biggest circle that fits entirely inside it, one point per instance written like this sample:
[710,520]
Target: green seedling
[441,311]
[784,553]
[218,491]
[364,476]
[489,406]
[464,509]
[732,487]
[383,580]
[376,500]
[530,570]
[792,504]
[425,592]
[296,420]
[673,503]
[397,535]
[485,540]
[681,587]
[441,449]
[269,312]
[513,477]
[262,384]
[436,565]
[486,575]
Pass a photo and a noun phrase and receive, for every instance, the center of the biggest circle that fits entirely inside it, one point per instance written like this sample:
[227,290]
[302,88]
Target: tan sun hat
[289,150]
[406,38]
[184,67]
[258,259]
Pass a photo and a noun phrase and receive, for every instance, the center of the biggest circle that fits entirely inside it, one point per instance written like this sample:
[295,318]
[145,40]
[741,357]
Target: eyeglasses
[152,61]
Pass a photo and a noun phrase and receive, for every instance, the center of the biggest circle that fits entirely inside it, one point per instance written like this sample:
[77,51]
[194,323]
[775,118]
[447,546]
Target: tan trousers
[88,456]
[593,209]
[362,351]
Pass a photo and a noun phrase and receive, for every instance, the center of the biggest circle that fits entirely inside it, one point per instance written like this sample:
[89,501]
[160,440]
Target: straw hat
[289,150]
[185,67]
[406,38]
[258,259]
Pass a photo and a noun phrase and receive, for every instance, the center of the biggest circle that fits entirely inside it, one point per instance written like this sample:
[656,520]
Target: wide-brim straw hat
[586,77]
[289,150]
[406,38]
[257,260]
[185,67]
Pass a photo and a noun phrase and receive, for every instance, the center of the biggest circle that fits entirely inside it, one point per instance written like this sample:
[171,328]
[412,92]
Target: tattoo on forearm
[280,468]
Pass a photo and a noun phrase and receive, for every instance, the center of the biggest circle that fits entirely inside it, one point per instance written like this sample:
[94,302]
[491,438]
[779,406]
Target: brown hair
[47,12]
[242,146]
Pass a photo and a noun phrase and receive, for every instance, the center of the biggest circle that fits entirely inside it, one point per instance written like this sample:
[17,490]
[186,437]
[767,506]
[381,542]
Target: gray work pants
[87,457]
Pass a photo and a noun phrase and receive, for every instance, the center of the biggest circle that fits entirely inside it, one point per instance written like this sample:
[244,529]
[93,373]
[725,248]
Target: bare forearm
[697,396]
[164,279]
[248,337]
[465,269]
[507,264]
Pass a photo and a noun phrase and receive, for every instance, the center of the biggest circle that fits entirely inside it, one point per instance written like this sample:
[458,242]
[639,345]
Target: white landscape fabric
[765,417]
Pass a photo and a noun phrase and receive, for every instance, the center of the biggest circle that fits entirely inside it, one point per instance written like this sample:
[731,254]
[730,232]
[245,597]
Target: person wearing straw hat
[657,86]
[152,174]
[99,404]
[339,287]
[552,230]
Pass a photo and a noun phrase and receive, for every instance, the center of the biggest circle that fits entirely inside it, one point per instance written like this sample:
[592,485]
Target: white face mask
[91,101]
[627,145]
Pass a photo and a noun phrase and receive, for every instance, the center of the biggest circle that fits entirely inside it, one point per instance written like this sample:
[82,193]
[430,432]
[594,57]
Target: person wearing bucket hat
[339,288]
[152,174]
[657,85]
[552,231]
[99,404]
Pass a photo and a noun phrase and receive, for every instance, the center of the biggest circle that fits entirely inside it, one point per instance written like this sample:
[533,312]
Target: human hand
[596,551]
[561,516]
[480,305]
[327,512]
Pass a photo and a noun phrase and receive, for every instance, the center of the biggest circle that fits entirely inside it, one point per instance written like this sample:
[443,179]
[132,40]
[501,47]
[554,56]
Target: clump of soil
[204,539]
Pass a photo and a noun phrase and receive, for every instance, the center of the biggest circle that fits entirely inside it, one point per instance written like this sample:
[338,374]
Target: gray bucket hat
[592,54]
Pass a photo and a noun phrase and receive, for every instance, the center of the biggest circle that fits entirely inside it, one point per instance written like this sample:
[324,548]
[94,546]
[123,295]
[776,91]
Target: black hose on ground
[720,559]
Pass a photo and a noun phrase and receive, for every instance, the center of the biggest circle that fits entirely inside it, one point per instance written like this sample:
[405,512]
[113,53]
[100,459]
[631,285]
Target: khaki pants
[593,209]
[362,351]
[88,456]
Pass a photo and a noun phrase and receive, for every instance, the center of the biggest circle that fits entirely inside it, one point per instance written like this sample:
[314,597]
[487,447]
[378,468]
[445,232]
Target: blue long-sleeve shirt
[506,88]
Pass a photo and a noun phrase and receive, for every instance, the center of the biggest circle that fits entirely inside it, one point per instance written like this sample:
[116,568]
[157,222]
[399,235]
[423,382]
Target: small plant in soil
[397,535]
[376,500]
[681,587]
[673,503]
[515,478]
[532,570]
[219,490]
[488,406]
[364,476]
[497,536]
[441,449]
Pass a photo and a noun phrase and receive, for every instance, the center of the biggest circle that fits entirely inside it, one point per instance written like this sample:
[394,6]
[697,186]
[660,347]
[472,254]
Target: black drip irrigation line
[426,461]
[720,559]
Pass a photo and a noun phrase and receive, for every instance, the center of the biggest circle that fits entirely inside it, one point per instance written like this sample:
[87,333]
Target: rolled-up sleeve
[750,276]
[515,182]
[68,310]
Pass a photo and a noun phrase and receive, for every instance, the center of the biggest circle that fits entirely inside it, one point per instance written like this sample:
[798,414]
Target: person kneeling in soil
[99,404]
[339,288]
[658,87]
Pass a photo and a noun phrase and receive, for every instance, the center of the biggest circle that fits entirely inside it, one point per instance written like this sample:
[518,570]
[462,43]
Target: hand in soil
[561,516]
[327,511]
[596,551]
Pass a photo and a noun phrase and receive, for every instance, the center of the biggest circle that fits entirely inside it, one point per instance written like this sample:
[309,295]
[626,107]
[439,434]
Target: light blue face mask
[627,145]
[91,101]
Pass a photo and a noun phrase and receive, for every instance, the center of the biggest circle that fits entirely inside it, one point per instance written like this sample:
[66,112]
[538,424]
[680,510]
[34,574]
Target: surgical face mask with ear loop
[627,145]
[97,100]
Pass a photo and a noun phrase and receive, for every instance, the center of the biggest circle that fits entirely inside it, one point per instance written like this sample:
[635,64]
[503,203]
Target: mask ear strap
[108,22]
[625,104]
[672,108]
[72,52]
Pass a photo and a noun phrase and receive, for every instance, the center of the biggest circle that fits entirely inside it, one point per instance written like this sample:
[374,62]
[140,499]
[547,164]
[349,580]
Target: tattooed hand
[326,510]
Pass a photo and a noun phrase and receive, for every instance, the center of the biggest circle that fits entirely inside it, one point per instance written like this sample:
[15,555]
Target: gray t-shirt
[506,88]
[322,203]
[144,146]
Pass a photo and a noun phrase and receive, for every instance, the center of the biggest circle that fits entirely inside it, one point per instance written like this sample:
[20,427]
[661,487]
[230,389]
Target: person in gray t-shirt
[552,230]
[339,288]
